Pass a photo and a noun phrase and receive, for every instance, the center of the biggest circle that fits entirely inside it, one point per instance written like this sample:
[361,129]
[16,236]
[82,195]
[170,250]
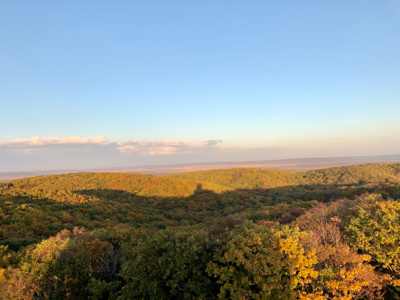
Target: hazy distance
[301,164]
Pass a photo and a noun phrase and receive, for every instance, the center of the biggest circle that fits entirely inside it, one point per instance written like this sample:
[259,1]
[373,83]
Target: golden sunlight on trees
[259,263]
[343,273]
[245,234]
[375,230]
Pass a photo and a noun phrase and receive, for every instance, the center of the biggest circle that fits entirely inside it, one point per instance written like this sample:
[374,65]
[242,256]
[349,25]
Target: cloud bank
[77,153]
[38,142]
[164,148]
[53,153]
[40,145]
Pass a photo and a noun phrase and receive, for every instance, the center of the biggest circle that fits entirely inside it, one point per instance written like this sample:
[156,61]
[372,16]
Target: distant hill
[104,199]
[265,179]
[68,188]
[63,186]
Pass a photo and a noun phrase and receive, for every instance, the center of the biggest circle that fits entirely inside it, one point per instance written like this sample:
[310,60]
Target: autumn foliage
[224,234]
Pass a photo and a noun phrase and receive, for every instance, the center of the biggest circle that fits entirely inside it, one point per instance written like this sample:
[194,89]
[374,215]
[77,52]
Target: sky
[88,84]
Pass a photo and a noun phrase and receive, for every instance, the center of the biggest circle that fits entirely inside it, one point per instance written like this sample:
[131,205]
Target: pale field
[296,165]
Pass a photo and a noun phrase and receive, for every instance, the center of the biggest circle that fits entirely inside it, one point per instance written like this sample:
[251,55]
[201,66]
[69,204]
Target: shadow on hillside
[204,205]
[272,196]
[25,219]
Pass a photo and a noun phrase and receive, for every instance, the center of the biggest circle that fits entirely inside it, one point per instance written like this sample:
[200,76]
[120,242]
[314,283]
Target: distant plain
[297,165]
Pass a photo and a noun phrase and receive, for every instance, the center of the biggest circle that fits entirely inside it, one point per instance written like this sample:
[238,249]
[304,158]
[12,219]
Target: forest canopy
[223,234]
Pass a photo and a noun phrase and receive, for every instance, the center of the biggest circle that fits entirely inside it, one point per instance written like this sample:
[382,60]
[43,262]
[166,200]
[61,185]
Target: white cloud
[128,148]
[162,151]
[164,148]
[134,147]
[37,142]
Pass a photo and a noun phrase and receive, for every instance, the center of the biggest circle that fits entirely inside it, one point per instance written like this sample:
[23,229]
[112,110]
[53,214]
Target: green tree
[257,262]
[375,230]
[61,267]
[169,265]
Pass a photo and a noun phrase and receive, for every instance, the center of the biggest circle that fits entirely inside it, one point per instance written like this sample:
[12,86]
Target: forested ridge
[223,234]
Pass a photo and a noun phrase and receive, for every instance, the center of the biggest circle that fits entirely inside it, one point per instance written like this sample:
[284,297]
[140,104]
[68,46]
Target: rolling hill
[51,226]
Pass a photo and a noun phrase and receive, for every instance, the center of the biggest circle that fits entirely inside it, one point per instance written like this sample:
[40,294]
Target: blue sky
[266,79]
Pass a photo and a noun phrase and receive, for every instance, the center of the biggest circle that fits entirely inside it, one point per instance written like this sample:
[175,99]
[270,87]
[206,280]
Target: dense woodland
[224,234]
